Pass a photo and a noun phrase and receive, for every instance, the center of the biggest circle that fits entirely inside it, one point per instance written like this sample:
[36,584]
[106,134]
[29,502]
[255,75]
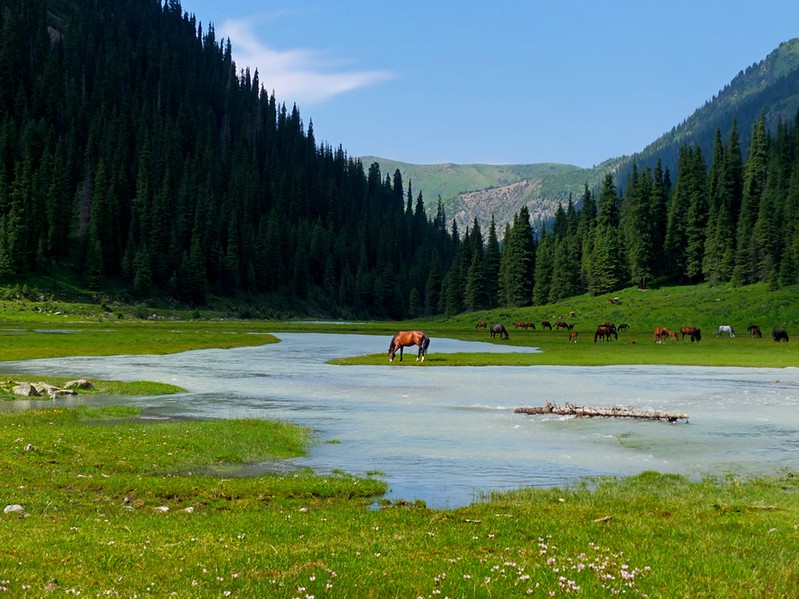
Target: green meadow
[100,502]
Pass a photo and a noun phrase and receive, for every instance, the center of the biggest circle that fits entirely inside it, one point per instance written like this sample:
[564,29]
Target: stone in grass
[79,384]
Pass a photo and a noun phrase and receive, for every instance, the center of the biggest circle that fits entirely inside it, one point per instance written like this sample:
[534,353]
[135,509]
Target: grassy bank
[112,505]
[31,329]
[115,507]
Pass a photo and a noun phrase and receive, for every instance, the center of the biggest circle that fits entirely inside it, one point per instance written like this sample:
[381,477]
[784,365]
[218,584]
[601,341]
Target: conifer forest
[138,157]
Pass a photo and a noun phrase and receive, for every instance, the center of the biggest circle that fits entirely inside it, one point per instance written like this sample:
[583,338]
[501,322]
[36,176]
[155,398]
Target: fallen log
[613,412]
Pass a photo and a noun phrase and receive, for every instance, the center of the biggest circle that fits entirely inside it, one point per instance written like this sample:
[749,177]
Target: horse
[780,335]
[725,328]
[499,329]
[545,324]
[529,325]
[481,324]
[404,339]
[603,332]
[518,324]
[610,325]
[561,324]
[696,334]
[754,331]
[623,326]
[573,337]
[660,334]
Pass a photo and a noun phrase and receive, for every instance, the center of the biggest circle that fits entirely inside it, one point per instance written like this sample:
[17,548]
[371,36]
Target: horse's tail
[425,343]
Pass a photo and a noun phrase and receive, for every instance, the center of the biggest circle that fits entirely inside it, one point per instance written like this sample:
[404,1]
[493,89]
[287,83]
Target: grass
[117,506]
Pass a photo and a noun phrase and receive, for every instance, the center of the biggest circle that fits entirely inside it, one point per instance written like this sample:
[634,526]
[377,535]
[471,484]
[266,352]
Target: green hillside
[469,191]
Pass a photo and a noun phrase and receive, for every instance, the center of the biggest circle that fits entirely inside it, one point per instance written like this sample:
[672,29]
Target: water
[449,435]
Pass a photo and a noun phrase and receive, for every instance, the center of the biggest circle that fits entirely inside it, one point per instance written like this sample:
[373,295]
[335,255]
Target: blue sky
[501,82]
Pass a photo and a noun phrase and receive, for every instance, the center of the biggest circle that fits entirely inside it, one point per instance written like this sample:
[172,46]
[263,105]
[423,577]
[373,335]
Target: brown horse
[481,324]
[754,331]
[604,333]
[404,339]
[545,324]
[660,334]
[696,334]
[573,337]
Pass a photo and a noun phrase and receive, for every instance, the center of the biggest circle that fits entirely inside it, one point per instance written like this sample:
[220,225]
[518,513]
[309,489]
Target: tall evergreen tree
[607,257]
[754,185]
[518,262]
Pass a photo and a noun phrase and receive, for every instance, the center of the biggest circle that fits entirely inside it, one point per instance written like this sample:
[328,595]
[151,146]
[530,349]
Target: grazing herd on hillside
[608,330]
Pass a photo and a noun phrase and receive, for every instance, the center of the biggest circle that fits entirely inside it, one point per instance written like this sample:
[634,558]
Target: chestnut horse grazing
[695,334]
[405,339]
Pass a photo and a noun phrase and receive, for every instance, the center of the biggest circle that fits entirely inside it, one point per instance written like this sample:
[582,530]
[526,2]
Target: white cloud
[302,76]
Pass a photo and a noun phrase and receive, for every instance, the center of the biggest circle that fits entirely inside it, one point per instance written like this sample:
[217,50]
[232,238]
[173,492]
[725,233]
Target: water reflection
[444,435]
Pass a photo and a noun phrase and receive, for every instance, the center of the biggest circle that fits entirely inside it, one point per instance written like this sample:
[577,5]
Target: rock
[79,384]
[44,388]
[14,508]
[24,389]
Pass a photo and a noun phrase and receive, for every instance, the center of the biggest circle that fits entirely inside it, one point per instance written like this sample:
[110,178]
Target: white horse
[725,328]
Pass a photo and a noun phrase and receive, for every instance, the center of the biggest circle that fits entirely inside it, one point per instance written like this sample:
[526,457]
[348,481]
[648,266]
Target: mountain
[481,191]
[769,87]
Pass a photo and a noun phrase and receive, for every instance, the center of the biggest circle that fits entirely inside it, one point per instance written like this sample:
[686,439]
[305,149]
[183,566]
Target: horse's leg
[401,348]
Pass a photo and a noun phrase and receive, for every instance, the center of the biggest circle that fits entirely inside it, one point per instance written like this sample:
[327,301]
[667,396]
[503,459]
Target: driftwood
[614,412]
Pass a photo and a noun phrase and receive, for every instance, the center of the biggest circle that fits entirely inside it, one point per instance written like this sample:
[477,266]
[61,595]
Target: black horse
[499,329]
[780,335]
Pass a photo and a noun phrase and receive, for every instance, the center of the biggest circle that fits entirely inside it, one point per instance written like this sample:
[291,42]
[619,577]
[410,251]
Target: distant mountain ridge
[481,191]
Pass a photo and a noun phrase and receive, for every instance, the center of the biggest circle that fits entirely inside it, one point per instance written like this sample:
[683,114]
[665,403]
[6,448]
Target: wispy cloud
[301,75]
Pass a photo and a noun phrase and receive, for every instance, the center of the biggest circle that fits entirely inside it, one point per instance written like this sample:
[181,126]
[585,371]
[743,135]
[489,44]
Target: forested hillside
[136,157]
[136,154]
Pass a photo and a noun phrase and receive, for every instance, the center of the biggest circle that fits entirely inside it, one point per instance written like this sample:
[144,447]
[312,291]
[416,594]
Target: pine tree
[491,266]
[544,269]
[696,225]
[639,225]
[518,262]
[606,262]
[754,184]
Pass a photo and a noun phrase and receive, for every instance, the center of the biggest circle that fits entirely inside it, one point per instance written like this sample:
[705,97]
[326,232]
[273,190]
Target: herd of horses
[604,332]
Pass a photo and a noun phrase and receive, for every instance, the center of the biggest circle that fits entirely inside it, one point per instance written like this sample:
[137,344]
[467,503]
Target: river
[449,435]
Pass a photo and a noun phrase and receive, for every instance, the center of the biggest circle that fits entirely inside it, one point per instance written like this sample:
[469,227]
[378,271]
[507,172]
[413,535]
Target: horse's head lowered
[404,339]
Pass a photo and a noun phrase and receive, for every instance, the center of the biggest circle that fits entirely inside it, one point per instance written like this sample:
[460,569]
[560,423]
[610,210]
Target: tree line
[136,155]
[722,220]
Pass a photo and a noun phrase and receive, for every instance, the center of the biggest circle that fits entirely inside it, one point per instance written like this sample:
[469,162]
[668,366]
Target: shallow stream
[446,435]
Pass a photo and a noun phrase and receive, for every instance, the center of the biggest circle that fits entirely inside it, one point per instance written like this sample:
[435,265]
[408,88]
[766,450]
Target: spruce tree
[607,259]
[518,262]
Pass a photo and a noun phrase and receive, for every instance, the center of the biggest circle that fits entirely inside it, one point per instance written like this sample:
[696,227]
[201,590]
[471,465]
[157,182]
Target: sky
[500,82]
